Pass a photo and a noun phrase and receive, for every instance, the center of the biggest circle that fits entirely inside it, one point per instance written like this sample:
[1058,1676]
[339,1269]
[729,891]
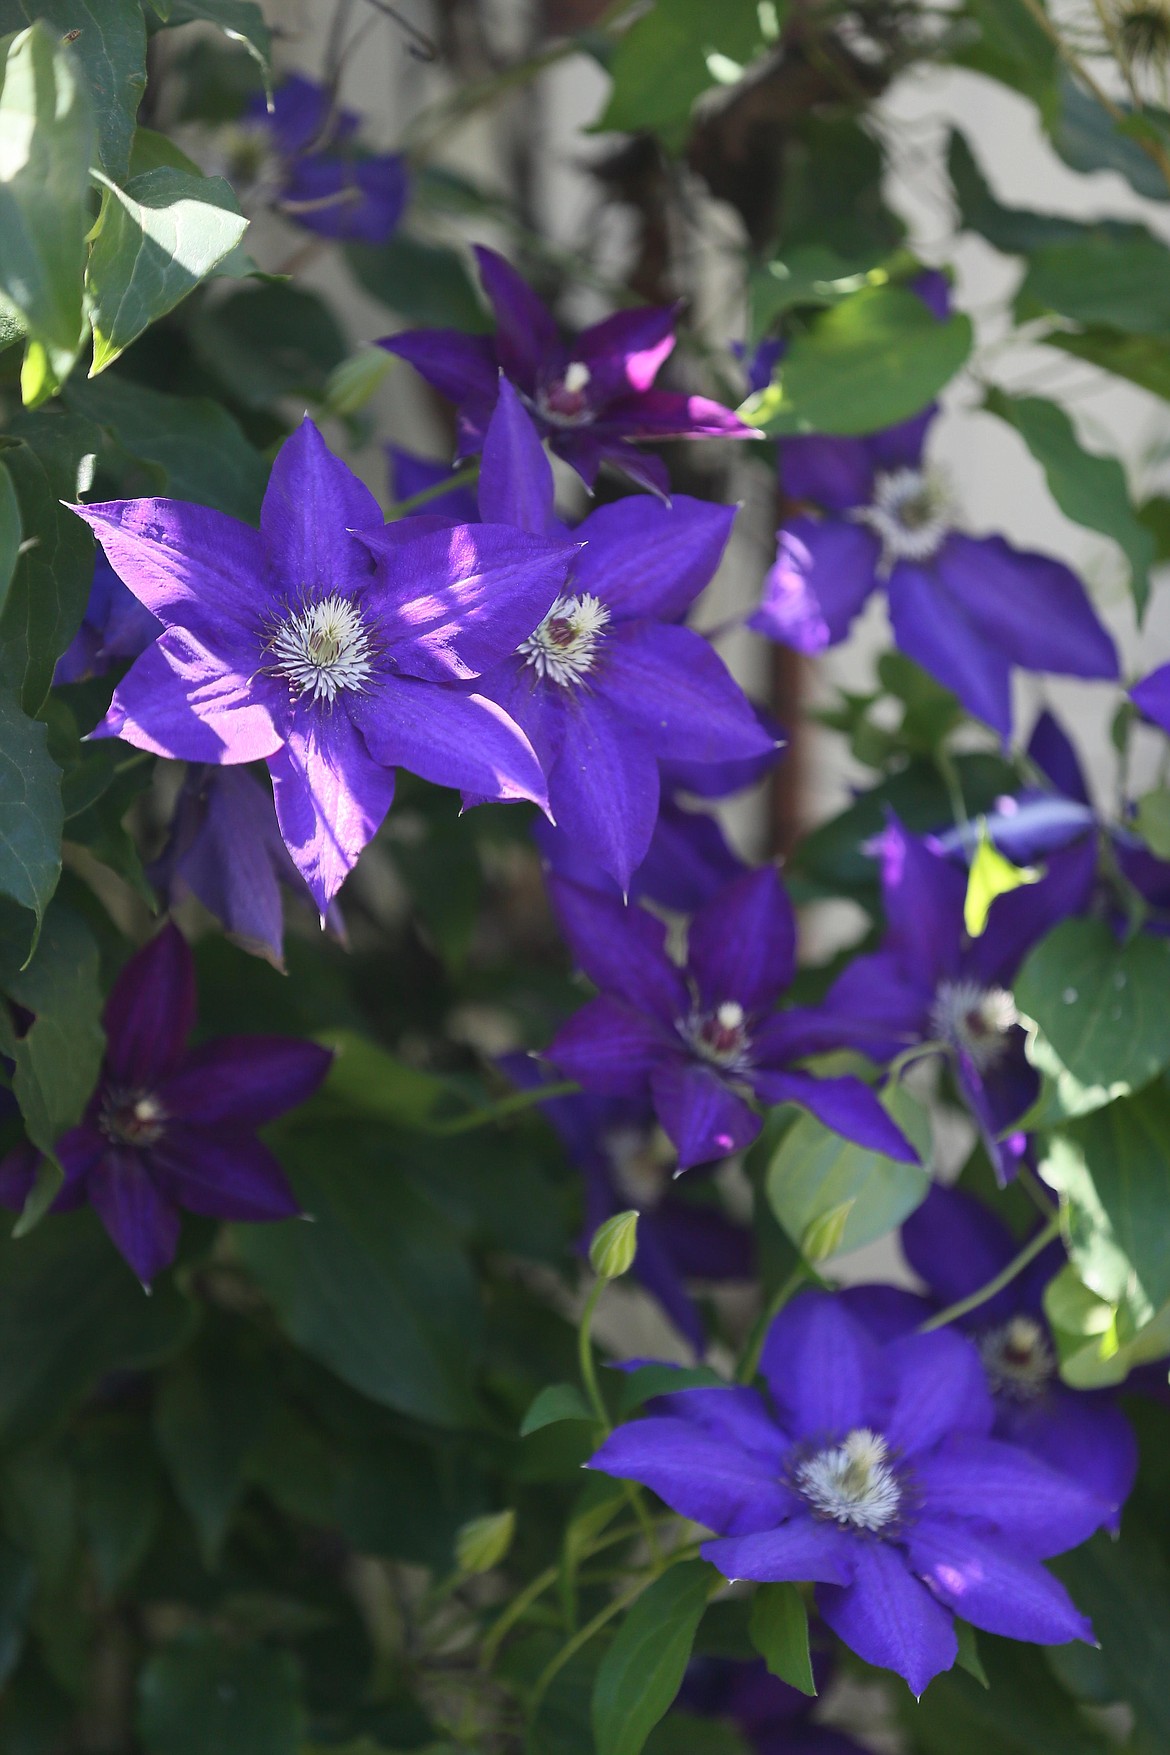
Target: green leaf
[208,1417]
[149,151]
[240,20]
[420,282]
[269,341]
[203,1696]
[49,458]
[1013,47]
[968,1658]
[1016,231]
[366,1080]
[1087,138]
[155,240]
[1089,489]
[71,1310]
[1100,1010]
[46,145]
[1100,1340]
[1152,820]
[377,1287]
[685,1733]
[641,1672]
[646,1381]
[108,38]
[663,63]
[811,274]
[779,1632]
[814,1173]
[31,814]
[10,534]
[1119,283]
[1024,1711]
[873,360]
[1124,1588]
[1142,359]
[990,875]
[120,1497]
[557,1401]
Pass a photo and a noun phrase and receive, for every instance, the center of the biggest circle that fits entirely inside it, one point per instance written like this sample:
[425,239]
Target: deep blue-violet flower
[225,849]
[956,1245]
[302,154]
[116,627]
[170,1127]
[591,396]
[697,1040]
[966,608]
[617,1146]
[928,982]
[869,1471]
[328,645]
[773,1718]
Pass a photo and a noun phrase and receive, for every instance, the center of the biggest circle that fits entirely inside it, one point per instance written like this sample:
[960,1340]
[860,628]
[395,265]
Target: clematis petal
[834,473]
[1052,751]
[622,950]
[697,1474]
[688,861]
[932,626]
[901,447]
[1083,1434]
[674,688]
[178,700]
[736,1414]
[823,572]
[1032,608]
[222,1178]
[242,1082]
[742,943]
[526,334]
[451,738]
[957,1244]
[143,1224]
[845,1105]
[671,414]
[461,367]
[888,1618]
[331,799]
[646,559]
[1021,917]
[515,476]
[923,896]
[312,506]
[940,1387]
[825,1372]
[611,1048]
[626,351]
[1035,1509]
[799,1551]
[704,1118]
[1152,696]
[992,1586]
[604,788]
[150,1012]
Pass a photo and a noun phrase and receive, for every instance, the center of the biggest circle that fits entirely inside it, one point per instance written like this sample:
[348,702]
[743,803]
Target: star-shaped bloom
[696,1040]
[929,982]
[592,396]
[173,1127]
[869,1471]
[967,608]
[956,1245]
[329,646]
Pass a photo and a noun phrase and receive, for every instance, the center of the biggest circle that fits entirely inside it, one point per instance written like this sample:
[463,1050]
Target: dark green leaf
[150,150]
[1089,489]
[559,1401]
[664,62]
[646,1381]
[270,341]
[1023,1712]
[156,240]
[422,283]
[1015,230]
[70,1309]
[108,38]
[208,1416]
[10,534]
[685,1733]
[17,1584]
[641,1672]
[1142,359]
[1087,138]
[873,360]
[779,1632]
[31,814]
[808,275]
[119,1496]
[1124,1588]
[202,1696]
[47,136]
[1013,47]
[241,20]
[1116,283]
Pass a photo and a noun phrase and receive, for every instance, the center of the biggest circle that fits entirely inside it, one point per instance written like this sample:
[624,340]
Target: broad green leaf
[149,151]
[646,1381]
[367,1080]
[1017,231]
[120,1495]
[108,38]
[1087,138]
[1100,1340]
[1013,47]
[779,1632]
[811,274]
[1142,359]
[1124,1588]
[240,20]
[990,875]
[665,61]
[871,361]
[969,1658]
[31,814]
[419,282]
[558,1401]
[641,1672]
[1100,1010]
[46,145]
[266,342]
[1088,488]
[686,1733]
[50,459]
[376,1287]
[10,533]
[1152,820]
[155,240]
[1024,1711]
[71,1310]
[202,1695]
[814,1173]
[1118,283]
[208,1415]
[18,1582]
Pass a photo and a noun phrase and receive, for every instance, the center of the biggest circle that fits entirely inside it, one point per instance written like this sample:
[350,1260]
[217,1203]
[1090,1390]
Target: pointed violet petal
[669,414]
[178,700]
[150,1012]
[1054,753]
[220,1178]
[934,628]
[834,474]
[526,334]
[1031,608]
[626,351]
[644,559]
[463,368]
[888,1618]
[604,788]
[622,950]
[1034,1509]
[957,1244]
[922,896]
[800,1551]
[939,1388]
[704,1118]
[823,1369]
[992,1586]
[242,1082]
[845,1105]
[698,1475]
[742,943]
[312,504]
[736,1414]
[901,447]
[142,1223]
[1084,1435]
[331,799]
[677,691]
[515,476]
[451,738]
[1152,696]
[609,1047]
[823,573]
[411,474]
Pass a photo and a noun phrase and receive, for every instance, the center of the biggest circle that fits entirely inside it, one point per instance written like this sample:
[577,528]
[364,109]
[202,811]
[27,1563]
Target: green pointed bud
[482,1543]
[824,1236]
[614,1246]
[353,382]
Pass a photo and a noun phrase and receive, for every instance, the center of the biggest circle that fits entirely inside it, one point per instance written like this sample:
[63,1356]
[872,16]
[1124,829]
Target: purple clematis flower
[328,645]
[302,155]
[759,362]
[591,397]
[170,1127]
[929,983]
[693,1039]
[116,627]
[966,608]
[225,848]
[956,1245]
[871,1473]
[615,1144]
[774,1718]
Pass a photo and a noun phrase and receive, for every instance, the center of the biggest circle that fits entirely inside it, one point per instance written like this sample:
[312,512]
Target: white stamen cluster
[720,1036]
[976,1019]
[564,646]
[852,1482]
[1018,1359]
[323,648]
[131,1118]
[577,376]
[910,513]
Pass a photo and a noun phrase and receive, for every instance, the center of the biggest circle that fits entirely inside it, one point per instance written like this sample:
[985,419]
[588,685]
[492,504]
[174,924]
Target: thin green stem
[466,477]
[751,1358]
[597,1403]
[535,1589]
[1004,1278]
[580,1639]
[513,1105]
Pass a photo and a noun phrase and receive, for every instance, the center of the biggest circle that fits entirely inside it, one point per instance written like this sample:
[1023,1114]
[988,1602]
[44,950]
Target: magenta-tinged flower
[116,627]
[329,646]
[697,1040]
[868,1470]
[171,1127]
[591,396]
[966,608]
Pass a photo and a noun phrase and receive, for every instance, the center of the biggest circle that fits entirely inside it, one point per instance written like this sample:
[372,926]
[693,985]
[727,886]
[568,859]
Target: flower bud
[611,1254]
[482,1543]
[353,382]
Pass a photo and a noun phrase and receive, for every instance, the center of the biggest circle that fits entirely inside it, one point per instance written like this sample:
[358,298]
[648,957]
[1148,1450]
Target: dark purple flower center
[1018,1359]
[565,401]
[854,1483]
[131,1118]
[720,1036]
